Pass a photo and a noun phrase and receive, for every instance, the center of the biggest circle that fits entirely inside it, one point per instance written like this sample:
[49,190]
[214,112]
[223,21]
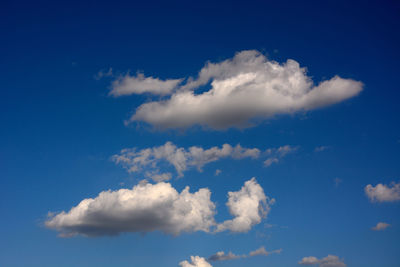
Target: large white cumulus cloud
[144,208]
[243,88]
[150,207]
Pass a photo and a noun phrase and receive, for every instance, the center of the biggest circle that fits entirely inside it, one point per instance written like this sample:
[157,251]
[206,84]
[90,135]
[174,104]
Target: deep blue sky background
[59,127]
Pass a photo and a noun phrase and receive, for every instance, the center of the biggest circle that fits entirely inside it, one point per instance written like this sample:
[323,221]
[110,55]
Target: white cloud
[180,158]
[263,252]
[275,154]
[103,73]
[380,226]
[243,88]
[248,206]
[196,261]
[383,193]
[328,261]
[309,260]
[139,84]
[217,172]
[144,208]
[222,256]
[151,207]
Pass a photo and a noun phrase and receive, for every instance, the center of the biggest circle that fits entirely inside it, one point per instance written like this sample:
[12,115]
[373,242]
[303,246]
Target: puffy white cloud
[328,261]
[383,193]
[275,154]
[380,226]
[196,261]
[180,158]
[144,208]
[151,207]
[243,88]
[248,206]
[309,260]
[139,84]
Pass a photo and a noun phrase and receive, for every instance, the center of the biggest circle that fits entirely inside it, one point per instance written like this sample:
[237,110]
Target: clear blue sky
[60,128]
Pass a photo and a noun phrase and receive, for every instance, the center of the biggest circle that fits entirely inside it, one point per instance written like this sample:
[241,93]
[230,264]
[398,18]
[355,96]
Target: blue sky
[62,131]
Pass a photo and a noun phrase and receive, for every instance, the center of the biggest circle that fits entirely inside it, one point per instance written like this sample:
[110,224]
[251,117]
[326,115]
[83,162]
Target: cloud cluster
[180,158]
[150,207]
[139,84]
[380,226]
[328,261]
[243,88]
[196,261]
[249,206]
[276,154]
[383,193]
[222,256]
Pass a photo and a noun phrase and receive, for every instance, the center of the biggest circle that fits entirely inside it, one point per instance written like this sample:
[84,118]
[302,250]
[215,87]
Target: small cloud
[217,172]
[262,252]
[222,256]
[104,73]
[321,148]
[383,193]
[328,261]
[196,261]
[275,154]
[380,226]
[270,161]
[337,181]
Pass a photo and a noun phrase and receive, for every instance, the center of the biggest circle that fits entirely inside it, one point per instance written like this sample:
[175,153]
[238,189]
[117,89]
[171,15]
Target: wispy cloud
[276,154]
[328,261]
[180,158]
[140,84]
[380,226]
[222,256]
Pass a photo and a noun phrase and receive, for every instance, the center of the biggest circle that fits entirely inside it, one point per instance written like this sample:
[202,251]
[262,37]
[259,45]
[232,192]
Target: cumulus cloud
[196,261]
[380,226]
[383,193]
[276,154]
[144,208]
[244,88]
[180,158]
[328,261]
[249,206]
[151,207]
[139,84]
